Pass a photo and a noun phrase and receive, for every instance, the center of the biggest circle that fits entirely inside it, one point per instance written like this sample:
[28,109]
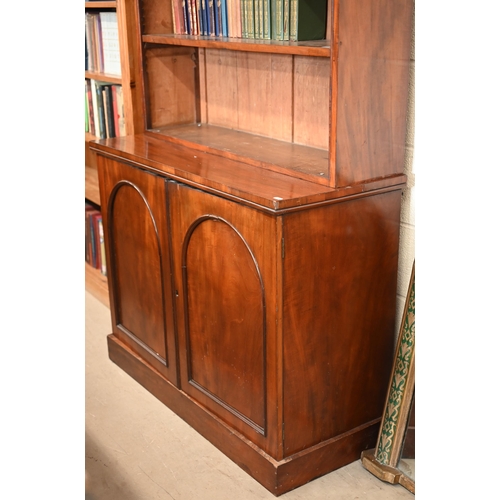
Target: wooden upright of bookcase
[252,224]
[132,112]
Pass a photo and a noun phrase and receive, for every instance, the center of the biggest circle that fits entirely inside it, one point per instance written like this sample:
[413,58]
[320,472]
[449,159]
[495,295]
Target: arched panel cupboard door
[225,270]
[136,231]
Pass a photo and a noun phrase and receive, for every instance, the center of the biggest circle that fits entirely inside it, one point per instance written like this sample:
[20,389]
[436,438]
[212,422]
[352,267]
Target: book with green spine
[244,22]
[286,20]
[277,19]
[308,19]
[258,30]
[266,19]
[250,19]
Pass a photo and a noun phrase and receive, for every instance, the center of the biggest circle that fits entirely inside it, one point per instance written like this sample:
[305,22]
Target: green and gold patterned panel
[395,416]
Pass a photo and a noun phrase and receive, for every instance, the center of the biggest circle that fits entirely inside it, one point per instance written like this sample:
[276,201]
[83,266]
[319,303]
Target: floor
[137,449]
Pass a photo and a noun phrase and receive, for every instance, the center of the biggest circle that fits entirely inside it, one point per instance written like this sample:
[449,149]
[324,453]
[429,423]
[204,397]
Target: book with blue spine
[225,23]
[211,15]
[218,17]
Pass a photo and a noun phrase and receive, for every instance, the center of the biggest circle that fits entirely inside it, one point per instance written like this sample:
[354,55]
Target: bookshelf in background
[111,94]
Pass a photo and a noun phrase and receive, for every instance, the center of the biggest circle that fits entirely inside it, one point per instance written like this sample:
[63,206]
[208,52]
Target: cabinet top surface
[230,178]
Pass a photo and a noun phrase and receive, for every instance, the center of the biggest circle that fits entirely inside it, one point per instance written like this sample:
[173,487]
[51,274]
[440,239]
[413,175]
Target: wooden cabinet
[252,227]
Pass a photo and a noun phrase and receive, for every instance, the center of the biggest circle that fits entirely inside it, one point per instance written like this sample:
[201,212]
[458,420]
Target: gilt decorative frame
[383,460]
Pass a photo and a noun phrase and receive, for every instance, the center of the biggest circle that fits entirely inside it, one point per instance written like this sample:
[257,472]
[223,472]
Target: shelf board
[103,77]
[101,5]
[316,48]
[305,162]
[92,185]
[96,284]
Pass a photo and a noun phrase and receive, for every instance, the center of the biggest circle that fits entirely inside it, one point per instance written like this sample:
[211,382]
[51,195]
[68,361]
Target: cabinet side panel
[340,277]
[373,78]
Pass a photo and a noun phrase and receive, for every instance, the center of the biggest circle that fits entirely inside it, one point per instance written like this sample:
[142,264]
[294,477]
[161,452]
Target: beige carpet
[137,449]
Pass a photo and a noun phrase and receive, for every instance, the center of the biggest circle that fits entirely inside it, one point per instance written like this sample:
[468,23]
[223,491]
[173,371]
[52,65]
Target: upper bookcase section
[282,26]
[330,110]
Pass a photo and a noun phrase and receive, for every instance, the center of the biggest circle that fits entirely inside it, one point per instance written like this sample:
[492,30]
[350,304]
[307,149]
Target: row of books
[289,20]
[102,47]
[95,254]
[104,113]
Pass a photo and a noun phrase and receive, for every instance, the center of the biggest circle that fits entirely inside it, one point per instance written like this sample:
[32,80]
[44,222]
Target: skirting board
[277,476]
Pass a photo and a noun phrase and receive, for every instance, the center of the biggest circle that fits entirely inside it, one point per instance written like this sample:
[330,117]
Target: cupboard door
[225,279]
[136,231]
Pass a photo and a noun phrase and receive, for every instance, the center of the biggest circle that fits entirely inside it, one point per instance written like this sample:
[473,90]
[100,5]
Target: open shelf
[279,156]
[96,284]
[316,48]
[103,77]
[92,185]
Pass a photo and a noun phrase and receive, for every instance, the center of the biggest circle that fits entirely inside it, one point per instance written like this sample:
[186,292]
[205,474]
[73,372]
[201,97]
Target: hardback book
[104,270]
[98,44]
[193,12]
[189,14]
[96,246]
[211,14]
[122,131]
[88,245]
[87,125]
[184,16]
[258,24]
[277,19]
[225,30]
[230,18]
[286,20]
[86,53]
[88,44]
[308,19]
[91,42]
[105,108]
[88,90]
[206,13]
[250,18]
[116,120]
[205,17]
[109,113]
[217,17]
[201,20]
[187,26]
[237,18]
[266,19]
[110,43]
[100,110]
[244,24]
[178,17]
[97,122]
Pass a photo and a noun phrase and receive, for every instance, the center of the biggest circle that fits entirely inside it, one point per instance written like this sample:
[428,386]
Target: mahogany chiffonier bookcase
[252,233]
